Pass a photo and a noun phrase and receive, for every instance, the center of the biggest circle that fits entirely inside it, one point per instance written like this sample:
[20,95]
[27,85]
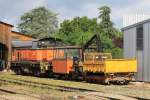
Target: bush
[117,53]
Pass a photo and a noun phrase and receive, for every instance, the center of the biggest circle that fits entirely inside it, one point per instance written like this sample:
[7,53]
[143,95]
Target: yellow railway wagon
[111,66]
[102,68]
[103,62]
[120,65]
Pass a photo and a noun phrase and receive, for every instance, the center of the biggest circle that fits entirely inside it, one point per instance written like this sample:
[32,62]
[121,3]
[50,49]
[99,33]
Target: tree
[106,24]
[77,31]
[39,23]
[110,36]
[80,29]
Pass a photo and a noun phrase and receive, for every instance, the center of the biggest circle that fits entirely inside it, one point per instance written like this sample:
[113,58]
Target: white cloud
[90,10]
[139,7]
[11,10]
[15,9]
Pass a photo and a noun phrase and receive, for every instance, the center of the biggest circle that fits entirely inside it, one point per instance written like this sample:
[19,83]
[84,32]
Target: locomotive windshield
[70,53]
[67,53]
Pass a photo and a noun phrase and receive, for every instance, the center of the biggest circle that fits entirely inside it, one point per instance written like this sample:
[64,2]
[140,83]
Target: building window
[139,37]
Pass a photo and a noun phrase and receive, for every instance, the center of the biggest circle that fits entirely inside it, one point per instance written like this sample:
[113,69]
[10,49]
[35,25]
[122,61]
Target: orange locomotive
[56,61]
[35,54]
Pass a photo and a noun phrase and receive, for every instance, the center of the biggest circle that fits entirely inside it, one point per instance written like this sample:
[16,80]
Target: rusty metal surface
[5,39]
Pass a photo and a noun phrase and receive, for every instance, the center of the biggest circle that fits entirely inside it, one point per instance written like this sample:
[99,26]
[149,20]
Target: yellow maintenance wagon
[101,67]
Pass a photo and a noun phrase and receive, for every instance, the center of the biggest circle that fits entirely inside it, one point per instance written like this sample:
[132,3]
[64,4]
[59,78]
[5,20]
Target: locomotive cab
[67,65]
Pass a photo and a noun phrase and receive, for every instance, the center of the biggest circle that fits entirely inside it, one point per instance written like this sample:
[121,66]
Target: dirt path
[18,93]
[14,94]
[110,96]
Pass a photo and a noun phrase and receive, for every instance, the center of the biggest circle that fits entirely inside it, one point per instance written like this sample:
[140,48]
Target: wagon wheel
[126,82]
[107,82]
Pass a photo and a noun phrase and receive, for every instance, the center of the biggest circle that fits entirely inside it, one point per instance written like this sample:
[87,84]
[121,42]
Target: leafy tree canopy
[80,29]
[39,22]
[109,35]
[77,31]
[106,23]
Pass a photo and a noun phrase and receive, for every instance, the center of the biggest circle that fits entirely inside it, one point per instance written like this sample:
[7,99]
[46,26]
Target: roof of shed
[23,34]
[134,25]
[6,23]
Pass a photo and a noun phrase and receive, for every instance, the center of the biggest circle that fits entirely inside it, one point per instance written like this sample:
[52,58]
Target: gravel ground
[133,91]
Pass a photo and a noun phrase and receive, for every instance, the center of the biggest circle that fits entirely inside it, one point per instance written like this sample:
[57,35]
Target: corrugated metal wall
[129,43]
[139,75]
[146,53]
[143,57]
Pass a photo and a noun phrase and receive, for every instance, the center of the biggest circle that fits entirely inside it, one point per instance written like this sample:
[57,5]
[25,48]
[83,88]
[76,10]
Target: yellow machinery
[101,67]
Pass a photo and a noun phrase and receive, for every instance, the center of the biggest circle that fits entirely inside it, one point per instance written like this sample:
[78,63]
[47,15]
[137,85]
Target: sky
[11,10]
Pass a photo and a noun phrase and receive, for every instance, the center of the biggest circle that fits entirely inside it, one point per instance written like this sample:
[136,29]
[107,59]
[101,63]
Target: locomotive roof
[50,38]
[57,47]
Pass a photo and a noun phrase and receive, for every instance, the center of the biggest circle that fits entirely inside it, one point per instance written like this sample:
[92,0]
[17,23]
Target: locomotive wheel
[18,71]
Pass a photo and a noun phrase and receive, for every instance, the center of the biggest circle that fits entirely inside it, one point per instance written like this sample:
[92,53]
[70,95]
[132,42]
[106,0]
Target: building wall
[129,43]
[143,56]
[5,39]
[20,37]
[5,34]
[146,53]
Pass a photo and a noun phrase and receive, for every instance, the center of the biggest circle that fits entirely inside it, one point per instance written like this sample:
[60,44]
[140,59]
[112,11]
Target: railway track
[42,85]
[35,83]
